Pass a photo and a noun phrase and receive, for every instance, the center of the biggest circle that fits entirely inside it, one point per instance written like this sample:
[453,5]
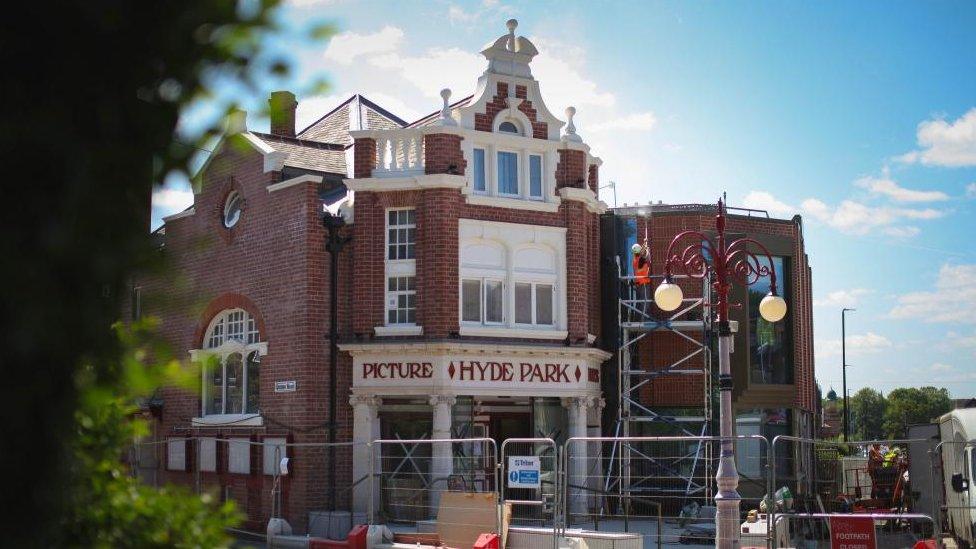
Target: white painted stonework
[468,369]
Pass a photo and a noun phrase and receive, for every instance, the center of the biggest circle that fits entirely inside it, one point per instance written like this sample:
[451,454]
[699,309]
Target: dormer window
[509,127]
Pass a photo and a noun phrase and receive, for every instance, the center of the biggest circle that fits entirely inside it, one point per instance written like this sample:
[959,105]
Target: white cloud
[971,190]
[887,187]
[457,15]
[762,200]
[940,367]
[851,216]
[642,121]
[559,69]
[436,69]
[906,231]
[169,200]
[856,344]
[952,300]
[960,341]
[490,9]
[854,217]
[345,47]
[842,298]
[944,143]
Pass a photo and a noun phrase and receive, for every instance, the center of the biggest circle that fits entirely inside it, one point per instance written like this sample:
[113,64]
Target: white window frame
[519,130]
[542,177]
[217,345]
[398,226]
[518,173]
[511,240]
[483,300]
[393,300]
[533,289]
[395,268]
[485,158]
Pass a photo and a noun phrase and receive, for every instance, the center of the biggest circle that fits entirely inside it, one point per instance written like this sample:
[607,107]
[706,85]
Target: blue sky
[859,116]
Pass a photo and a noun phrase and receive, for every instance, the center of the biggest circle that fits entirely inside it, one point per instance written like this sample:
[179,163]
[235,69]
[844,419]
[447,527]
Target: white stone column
[596,470]
[365,422]
[578,463]
[441,460]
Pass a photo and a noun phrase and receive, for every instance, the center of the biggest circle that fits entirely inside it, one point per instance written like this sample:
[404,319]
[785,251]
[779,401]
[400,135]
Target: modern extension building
[453,277]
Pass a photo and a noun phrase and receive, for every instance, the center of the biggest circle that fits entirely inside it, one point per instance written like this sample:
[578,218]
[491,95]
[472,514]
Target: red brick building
[459,295]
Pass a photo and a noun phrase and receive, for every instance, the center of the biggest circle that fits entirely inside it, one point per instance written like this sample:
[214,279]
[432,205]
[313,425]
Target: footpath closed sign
[523,472]
[852,532]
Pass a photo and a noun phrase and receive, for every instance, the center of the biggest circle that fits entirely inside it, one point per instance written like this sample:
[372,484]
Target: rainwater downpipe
[334,244]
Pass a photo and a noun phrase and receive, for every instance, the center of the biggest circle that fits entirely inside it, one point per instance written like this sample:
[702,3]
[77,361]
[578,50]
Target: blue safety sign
[523,472]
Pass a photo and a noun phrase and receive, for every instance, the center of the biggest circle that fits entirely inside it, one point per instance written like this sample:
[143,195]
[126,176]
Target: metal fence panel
[249,472]
[530,485]
[412,476]
[657,489]
[852,478]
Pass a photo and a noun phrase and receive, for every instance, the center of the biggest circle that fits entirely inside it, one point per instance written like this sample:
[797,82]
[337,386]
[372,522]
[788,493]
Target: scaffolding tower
[637,318]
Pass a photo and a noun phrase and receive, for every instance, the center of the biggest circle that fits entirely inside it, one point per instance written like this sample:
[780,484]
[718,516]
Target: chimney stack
[283,106]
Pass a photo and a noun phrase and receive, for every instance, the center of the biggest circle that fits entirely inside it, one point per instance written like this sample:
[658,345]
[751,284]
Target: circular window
[508,127]
[232,209]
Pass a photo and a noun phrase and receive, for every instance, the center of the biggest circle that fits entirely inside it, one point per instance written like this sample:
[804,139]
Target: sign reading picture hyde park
[489,371]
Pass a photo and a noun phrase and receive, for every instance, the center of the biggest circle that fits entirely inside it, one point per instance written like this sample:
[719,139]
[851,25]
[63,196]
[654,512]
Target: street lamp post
[724,262]
[843,366]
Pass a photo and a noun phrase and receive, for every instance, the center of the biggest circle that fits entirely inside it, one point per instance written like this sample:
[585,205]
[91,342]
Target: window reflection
[770,344]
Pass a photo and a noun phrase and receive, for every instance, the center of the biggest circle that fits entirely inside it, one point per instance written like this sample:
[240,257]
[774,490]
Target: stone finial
[569,132]
[512,24]
[510,54]
[446,119]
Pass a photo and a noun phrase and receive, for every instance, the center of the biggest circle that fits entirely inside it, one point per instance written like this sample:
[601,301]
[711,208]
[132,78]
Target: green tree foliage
[92,93]
[107,506]
[908,406]
[867,414]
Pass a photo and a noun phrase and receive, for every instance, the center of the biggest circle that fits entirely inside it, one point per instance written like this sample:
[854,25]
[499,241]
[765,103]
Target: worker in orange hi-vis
[642,275]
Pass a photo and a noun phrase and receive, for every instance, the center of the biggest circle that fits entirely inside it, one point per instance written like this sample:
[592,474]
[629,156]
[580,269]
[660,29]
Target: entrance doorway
[506,425]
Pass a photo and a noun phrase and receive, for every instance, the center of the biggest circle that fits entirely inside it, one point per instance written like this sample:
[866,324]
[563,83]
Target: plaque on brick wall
[286,386]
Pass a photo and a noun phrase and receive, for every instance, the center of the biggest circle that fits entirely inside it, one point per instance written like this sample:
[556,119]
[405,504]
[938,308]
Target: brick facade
[663,348]
[483,121]
[273,265]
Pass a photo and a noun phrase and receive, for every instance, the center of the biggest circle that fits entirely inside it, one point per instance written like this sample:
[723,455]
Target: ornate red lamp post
[725,262]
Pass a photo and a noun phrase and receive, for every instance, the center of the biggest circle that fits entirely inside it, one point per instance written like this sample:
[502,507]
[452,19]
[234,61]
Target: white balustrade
[399,153]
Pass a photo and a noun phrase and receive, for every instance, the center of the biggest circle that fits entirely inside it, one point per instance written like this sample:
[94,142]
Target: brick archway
[224,302]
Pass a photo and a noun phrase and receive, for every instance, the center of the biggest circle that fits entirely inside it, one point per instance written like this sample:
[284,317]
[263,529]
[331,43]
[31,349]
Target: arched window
[534,274]
[232,364]
[508,127]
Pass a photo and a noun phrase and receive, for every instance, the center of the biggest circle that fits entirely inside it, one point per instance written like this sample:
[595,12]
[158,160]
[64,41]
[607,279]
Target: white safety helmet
[636,248]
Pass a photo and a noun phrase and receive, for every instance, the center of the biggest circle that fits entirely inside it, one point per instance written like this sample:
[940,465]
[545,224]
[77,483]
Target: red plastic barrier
[357,537]
[319,543]
[355,540]
[487,541]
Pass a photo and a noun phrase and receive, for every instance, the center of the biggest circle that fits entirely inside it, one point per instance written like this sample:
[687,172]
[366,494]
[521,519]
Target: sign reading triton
[523,472]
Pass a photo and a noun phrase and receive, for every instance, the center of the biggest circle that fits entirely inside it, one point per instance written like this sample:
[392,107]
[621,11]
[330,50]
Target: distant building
[963,403]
